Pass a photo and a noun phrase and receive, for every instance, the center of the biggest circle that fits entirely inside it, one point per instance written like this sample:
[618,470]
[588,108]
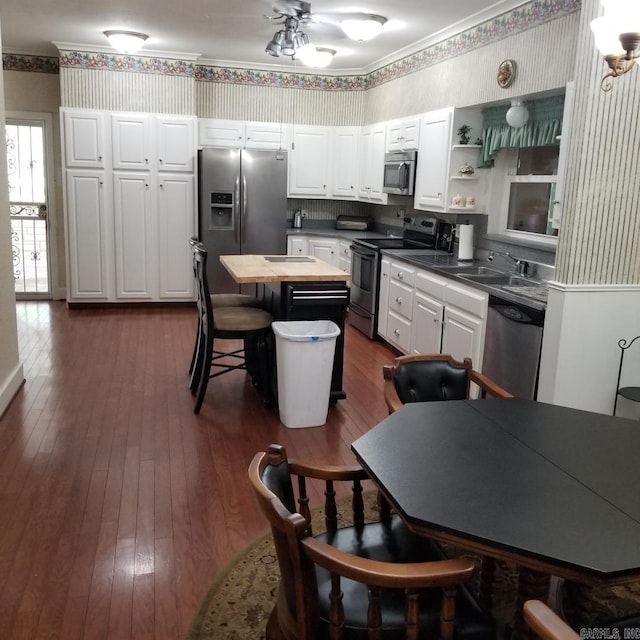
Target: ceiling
[235,32]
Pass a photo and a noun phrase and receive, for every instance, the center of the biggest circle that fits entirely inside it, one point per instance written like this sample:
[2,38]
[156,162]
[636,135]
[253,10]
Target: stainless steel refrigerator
[242,207]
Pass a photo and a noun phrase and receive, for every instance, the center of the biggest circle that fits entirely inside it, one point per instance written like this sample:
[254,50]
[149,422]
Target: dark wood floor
[118,506]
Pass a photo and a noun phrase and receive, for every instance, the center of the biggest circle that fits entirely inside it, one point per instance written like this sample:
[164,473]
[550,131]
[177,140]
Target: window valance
[542,129]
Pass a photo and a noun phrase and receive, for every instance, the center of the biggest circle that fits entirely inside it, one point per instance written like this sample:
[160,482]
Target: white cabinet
[308,162]
[400,305]
[175,198]
[325,249]
[89,235]
[344,255]
[463,336]
[371,173]
[344,162]
[433,160]
[430,293]
[83,138]
[135,231]
[297,246]
[403,135]
[129,224]
[236,134]
[383,301]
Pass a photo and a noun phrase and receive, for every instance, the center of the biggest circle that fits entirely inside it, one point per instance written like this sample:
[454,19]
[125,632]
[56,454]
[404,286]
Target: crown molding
[143,53]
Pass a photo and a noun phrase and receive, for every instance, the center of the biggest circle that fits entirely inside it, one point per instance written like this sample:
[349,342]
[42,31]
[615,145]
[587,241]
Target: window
[530,188]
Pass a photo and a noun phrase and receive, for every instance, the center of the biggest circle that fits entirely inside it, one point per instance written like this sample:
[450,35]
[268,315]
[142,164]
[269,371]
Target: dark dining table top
[549,486]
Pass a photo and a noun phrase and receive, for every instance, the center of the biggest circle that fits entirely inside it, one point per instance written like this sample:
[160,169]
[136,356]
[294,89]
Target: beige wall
[40,92]
[10,367]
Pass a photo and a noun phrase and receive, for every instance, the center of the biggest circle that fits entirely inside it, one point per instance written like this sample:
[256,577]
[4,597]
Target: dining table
[552,489]
[297,288]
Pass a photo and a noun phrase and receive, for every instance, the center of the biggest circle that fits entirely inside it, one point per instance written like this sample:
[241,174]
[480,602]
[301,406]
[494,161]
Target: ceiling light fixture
[319,58]
[518,114]
[617,36]
[292,42]
[126,41]
[365,28]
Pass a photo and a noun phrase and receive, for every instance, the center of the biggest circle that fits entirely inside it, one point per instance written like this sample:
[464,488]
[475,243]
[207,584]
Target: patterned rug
[240,601]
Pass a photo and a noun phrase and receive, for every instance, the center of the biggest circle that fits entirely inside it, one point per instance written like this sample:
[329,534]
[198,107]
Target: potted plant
[463,132]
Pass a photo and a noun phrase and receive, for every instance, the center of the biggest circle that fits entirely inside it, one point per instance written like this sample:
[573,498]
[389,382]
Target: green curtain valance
[542,129]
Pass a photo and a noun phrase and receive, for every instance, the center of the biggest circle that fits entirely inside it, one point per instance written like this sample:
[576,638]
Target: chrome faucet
[522,266]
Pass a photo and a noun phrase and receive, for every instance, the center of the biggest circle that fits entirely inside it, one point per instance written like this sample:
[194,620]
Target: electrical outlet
[304,213]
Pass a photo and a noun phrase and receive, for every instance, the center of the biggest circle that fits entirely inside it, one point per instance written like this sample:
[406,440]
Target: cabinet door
[176,148]
[463,336]
[134,236]
[221,133]
[265,135]
[297,246]
[131,141]
[376,164]
[88,232]
[308,162]
[411,134]
[383,301]
[433,160]
[427,324]
[325,250]
[344,256]
[344,164]
[84,139]
[176,224]
[399,331]
[394,135]
[364,165]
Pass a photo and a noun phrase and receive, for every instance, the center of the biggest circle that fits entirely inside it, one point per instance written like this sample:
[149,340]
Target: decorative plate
[506,73]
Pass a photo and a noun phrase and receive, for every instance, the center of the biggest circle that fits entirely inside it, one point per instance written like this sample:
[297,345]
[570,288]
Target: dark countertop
[332,232]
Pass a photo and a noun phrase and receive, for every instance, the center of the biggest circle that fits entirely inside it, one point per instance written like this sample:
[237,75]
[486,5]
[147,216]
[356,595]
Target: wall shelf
[467,146]
[463,178]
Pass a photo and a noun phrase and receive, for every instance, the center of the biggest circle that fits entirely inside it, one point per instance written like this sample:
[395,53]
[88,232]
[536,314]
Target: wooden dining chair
[369,580]
[219,300]
[545,623]
[251,325]
[428,377]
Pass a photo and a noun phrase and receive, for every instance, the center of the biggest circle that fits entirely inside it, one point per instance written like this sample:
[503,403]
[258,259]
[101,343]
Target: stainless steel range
[434,237]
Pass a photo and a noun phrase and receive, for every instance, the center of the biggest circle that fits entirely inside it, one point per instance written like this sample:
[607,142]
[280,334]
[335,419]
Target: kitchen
[392,95]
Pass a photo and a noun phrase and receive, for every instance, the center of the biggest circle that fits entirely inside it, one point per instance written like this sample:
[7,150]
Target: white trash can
[304,358]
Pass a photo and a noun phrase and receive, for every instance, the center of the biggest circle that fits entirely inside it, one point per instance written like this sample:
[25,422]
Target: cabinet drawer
[399,332]
[468,299]
[431,284]
[401,299]
[402,272]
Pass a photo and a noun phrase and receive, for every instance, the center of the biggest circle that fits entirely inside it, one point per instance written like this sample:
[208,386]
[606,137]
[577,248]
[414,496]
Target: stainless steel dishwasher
[513,341]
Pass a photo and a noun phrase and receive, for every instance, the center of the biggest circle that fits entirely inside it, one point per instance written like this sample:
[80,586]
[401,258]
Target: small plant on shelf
[463,132]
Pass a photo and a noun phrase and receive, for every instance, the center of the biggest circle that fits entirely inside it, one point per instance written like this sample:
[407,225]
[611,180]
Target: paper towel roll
[465,242]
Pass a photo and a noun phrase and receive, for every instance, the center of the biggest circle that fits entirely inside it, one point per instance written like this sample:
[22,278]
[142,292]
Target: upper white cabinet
[309,162]
[403,135]
[433,159]
[236,134]
[371,175]
[344,162]
[83,138]
[157,143]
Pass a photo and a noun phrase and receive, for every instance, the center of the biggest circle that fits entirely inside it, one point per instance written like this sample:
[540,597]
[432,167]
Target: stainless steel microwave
[399,173]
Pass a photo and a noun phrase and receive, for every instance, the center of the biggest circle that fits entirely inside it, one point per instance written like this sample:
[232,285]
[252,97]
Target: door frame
[46,120]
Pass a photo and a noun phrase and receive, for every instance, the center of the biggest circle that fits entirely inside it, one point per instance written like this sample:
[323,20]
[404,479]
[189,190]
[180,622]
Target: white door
[364,165]
[176,146]
[88,232]
[376,163]
[131,142]
[344,165]
[176,225]
[433,160]
[325,250]
[427,324]
[134,236]
[84,134]
[309,161]
[462,336]
[266,135]
[383,300]
[298,246]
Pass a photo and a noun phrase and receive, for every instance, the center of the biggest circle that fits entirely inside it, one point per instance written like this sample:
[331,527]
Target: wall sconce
[126,41]
[617,36]
[518,114]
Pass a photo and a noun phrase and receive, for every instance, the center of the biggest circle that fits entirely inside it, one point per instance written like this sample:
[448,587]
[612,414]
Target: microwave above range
[399,173]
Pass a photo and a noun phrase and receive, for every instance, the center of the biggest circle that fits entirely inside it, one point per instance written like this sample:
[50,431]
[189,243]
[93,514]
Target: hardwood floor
[118,506]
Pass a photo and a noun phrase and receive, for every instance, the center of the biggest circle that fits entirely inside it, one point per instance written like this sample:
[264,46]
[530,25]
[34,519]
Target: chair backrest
[429,377]
[203,297]
[545,623]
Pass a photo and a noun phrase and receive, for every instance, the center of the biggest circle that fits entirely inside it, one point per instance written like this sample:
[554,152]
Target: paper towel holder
[465,242]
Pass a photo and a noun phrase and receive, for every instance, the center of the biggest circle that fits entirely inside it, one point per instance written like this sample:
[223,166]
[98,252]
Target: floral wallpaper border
[508,24]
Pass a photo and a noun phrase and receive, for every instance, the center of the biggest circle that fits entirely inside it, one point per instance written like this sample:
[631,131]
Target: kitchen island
[298,288]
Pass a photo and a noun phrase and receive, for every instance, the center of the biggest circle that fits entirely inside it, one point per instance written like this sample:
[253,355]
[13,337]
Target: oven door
[364,268]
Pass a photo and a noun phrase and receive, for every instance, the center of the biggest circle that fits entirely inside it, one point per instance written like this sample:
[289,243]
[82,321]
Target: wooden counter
[257,268]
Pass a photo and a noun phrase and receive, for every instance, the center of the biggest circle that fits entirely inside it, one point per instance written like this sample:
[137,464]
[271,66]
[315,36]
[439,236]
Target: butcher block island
[298,288]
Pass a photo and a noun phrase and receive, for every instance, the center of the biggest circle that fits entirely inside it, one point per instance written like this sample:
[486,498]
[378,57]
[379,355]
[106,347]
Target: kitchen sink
[477,271]
[495,279]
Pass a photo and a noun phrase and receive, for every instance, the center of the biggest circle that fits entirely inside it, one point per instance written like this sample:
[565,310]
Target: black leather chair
[376,578]
[251,325]
[429,377]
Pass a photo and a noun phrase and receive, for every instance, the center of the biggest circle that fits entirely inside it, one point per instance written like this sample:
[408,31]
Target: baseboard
[13,383]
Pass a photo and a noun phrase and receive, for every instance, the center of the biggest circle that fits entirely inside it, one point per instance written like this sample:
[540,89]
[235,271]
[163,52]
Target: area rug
[241,599]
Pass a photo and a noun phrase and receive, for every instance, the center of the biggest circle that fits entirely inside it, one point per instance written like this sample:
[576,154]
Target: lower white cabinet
[463,336]
[325,249]
[383,298]
[344,255]
[427,326]
[297,246]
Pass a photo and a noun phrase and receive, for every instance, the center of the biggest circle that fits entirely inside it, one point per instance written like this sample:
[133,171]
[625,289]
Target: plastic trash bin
[304,359]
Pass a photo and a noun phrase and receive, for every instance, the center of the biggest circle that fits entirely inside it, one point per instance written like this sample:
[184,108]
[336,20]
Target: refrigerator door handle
[236,204]
[244,207]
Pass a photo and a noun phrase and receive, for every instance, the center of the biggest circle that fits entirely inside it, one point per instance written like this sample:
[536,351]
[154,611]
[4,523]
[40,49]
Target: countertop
[332,232]
[249,268]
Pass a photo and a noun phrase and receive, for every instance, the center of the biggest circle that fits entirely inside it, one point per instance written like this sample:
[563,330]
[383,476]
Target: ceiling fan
[290,41]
